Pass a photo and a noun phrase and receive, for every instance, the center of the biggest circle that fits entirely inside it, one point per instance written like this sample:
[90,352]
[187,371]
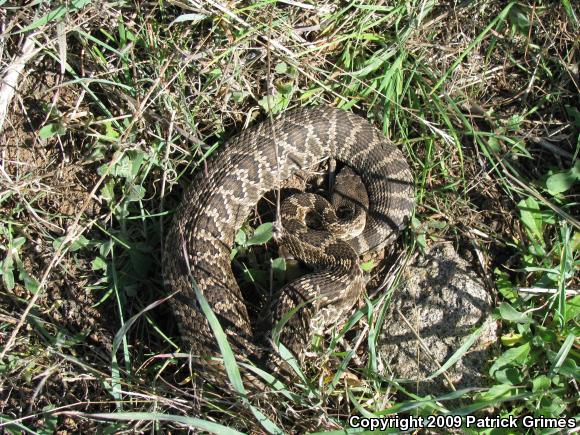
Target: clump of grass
[116,106]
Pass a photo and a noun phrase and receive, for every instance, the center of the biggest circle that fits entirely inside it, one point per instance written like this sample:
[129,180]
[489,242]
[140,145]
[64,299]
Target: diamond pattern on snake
[219,200]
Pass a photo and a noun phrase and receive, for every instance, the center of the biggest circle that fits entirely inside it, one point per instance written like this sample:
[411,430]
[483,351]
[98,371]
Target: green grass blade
[154,416]
[458,353]
[562,354]
[502,16]
[230,362]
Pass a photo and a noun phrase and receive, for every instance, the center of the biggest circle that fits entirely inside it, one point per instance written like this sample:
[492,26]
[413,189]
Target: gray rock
[444,302]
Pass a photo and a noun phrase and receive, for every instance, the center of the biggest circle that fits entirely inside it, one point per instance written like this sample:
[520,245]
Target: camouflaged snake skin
[219,200]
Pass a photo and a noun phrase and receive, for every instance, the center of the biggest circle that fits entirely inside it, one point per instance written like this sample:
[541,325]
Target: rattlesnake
[220,198]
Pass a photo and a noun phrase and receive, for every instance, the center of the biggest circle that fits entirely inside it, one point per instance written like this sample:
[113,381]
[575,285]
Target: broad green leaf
[277,102]
[569,368]
[516,354]
[531,216]
[545,334]
[514,122]
[510,376]
[562,181]
[17,243]
[7,272]
[575,242]
[437,224]
[240,238]
[105,248]
[99,264]
[279,268]
[108,191]
[541,383]
[123,168]
[79,243]
[505,286]
[127,167]
[30,283]
[510,314]
[367,266]
[137,157]
[262,234]
[551,406]
[281,68]
[511,339]
[573,308]
[136,193]
[110,131]
[50,130]
[285,88]
[239,96]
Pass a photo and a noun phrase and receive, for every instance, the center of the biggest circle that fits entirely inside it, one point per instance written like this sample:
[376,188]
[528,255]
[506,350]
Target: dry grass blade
[13,74]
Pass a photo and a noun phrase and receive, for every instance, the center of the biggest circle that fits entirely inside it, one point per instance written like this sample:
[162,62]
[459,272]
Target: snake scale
[219,199]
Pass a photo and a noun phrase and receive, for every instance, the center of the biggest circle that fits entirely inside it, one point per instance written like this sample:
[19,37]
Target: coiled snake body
[219,199]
